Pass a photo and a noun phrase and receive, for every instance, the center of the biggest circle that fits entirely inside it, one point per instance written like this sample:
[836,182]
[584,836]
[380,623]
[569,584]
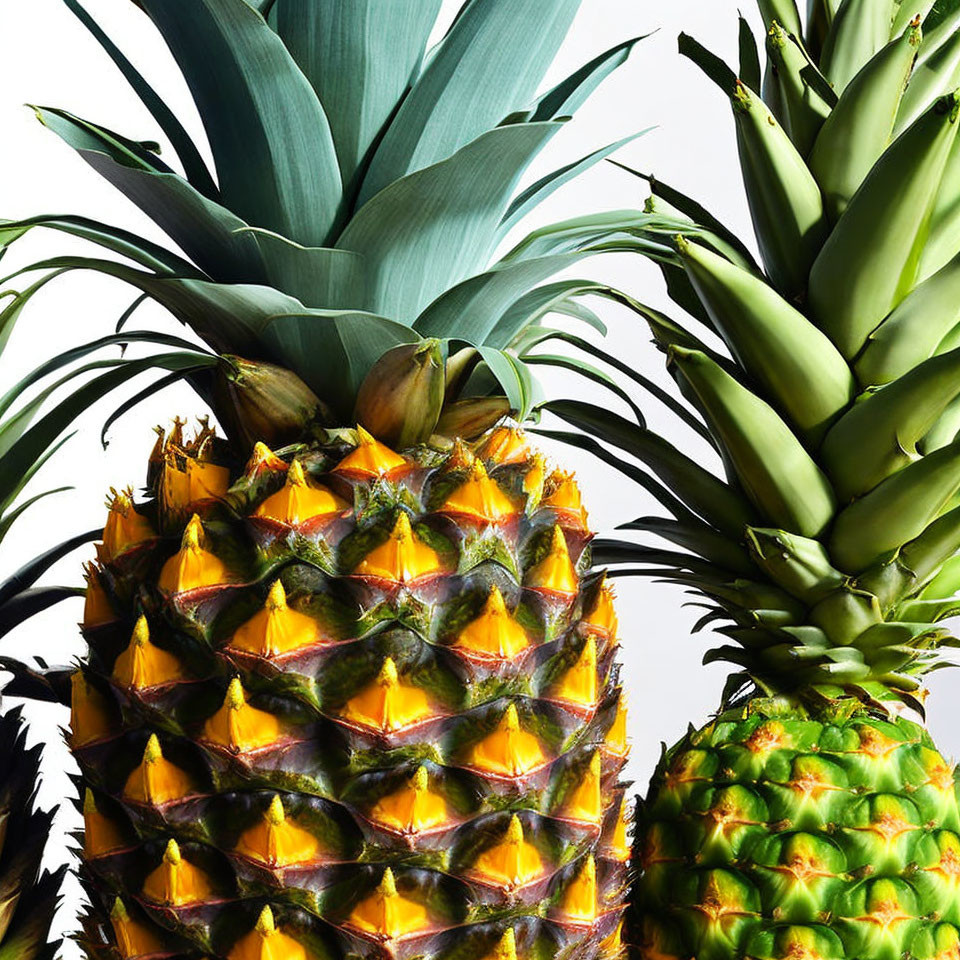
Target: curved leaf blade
[489,64]
[428,231]
[273,148]
[360,57]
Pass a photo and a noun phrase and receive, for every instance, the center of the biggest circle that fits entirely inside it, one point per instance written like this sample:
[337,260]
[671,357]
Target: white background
[49,59]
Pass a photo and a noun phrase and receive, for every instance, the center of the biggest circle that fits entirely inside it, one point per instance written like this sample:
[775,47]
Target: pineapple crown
[362,186]
[823,380]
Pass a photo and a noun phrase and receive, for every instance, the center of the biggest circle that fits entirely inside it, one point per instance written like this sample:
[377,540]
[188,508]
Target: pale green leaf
[515,378]
[471,310]
[193,164]
[569,95]
[206,231]
[361,58]
[427,232]
[489,65]
[536,193]
[317,276]
[272,145]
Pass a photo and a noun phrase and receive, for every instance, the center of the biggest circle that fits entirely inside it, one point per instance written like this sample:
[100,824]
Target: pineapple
[351,687]
[812,817]
[348,701]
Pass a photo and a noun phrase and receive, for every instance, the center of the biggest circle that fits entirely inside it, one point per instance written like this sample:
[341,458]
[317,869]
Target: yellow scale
[101,836]
[240,727]
[512,863]
[263,460]
[618,847]
[413,809]
[387,704]
[506,948]
[505,445]
[176,882]
[578,904]
[616,743]
[192,567]
[297,502]
[89,712]
[144,665]
[480,498]
[370,459]
[555,572]
[125,528]
[494,634]
[585,802]
[276,630]
[197,481]
[97,609]
[156,781]
[603,615]
[134,939]
[267,942]
[387,915]
[578,685]
[277,841]
[402,558]
[508,750]
[565,498]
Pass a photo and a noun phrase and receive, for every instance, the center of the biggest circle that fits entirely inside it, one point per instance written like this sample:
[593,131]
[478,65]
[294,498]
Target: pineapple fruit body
[775,832]
[348,702]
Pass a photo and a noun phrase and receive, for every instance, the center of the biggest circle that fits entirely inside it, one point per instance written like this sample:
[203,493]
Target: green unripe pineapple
[812,819]
[809,833]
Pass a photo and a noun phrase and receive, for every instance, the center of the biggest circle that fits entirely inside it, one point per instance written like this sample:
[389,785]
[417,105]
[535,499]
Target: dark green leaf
[186,150]
[591,373]
[699,538]
[749,56]
[145,394]
[38,438]
[709,63]
[11,516]
[30,572]
[654,389]
[702,492]
[144,252]
[698,214]
[77,353]
[633,473]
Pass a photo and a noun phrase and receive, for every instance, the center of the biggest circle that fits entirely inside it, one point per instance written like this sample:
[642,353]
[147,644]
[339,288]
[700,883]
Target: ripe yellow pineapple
[351,686]
[347,685]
